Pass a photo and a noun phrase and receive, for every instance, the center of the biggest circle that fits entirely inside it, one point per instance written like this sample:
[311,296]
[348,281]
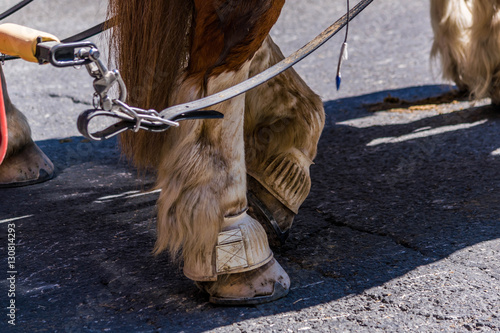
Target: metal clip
[130,118]
[104,78]
[136,119]
[63,54]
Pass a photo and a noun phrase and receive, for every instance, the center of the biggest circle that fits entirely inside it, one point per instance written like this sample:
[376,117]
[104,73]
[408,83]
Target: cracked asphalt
[401,231]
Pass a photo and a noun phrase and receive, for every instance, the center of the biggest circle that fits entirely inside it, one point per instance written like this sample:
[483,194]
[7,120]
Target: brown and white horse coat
[174,51]
[270,133]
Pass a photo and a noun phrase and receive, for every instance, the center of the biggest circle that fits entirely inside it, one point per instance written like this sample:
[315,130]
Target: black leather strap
[14,9]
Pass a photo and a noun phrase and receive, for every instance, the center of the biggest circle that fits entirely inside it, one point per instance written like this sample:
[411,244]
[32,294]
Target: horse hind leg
[451,21]
[24,163]
[283,122]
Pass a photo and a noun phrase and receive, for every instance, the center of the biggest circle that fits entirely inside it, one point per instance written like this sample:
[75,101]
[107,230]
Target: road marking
[15,219]
[495,152]
[116,196]
[125,195]
[425,133]
[143,193]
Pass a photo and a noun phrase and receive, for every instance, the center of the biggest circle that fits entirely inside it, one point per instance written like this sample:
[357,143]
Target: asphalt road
[401,232]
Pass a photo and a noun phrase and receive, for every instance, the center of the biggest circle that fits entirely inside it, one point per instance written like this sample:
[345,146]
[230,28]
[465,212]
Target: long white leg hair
[451,21]
[483,56]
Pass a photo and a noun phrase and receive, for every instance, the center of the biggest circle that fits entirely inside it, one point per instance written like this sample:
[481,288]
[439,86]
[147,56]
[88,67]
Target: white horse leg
[24,162]
[203,203]
[283,122]
[483,56]
[451,21]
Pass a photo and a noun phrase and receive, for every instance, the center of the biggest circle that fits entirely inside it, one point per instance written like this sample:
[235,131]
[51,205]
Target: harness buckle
[104,79]
[63,54]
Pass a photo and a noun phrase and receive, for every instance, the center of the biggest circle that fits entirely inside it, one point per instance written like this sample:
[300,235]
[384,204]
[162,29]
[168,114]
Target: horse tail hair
[150,42]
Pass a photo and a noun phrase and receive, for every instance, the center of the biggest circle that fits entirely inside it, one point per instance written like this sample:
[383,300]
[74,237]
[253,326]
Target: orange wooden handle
[17,40]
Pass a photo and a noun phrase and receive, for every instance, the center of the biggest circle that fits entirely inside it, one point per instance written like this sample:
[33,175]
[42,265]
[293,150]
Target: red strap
[4,135]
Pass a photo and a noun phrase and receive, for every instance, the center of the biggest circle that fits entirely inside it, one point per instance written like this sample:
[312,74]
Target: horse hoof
[262,285]
[28,166]
[275,217]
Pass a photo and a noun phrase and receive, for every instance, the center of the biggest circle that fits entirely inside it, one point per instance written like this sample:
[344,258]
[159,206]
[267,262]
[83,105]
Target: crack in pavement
[334,220]
[72,98]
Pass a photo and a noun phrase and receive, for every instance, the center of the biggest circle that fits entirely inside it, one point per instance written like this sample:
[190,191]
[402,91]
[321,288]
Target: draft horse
[224,182]
[467,42]
[221,180]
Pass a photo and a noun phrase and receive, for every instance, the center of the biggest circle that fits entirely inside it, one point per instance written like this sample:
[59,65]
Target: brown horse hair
[150,43]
